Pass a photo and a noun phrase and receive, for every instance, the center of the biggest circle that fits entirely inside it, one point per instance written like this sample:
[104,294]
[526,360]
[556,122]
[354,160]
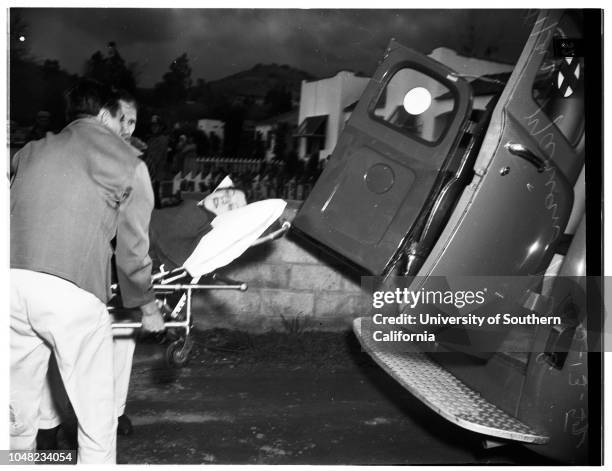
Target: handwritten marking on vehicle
[543,33]
[537,127]
[546,142]
[579,381]
[576,420]
[550,203]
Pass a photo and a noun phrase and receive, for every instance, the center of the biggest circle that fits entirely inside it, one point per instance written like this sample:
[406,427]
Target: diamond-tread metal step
[444,393]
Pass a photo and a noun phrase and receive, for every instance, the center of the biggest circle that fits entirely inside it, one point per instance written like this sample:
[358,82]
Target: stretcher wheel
[177,353]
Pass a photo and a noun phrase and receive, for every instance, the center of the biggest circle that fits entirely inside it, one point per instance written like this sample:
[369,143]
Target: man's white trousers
[49,314]
[53,405]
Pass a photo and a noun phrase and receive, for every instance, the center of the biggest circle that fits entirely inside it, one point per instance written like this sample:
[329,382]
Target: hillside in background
[264,91]
[261,92]
[263,80]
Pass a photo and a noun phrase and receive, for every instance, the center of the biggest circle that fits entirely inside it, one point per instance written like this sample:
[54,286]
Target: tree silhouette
[259,148]
[234,119]
[110,69]
[34,86]
[278,99]
[280,143]
[176,82]
[200,92]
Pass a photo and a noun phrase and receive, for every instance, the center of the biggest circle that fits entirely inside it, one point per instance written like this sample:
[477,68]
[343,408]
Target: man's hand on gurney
[152,319]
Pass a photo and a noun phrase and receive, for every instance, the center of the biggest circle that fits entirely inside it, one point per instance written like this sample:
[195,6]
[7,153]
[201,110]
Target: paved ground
[286,398]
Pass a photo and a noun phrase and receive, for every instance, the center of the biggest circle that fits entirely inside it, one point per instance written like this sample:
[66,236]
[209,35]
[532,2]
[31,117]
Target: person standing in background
[156,156]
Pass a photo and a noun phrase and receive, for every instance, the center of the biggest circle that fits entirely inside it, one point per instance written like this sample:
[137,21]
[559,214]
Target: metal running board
[443,392]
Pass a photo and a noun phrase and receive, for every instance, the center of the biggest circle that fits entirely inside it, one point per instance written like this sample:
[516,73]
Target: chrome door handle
[521,151]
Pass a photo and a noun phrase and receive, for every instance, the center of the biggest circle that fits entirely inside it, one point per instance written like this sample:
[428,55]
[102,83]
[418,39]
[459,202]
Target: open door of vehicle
[389,161]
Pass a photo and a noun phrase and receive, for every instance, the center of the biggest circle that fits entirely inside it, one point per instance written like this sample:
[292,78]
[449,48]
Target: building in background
[322,111]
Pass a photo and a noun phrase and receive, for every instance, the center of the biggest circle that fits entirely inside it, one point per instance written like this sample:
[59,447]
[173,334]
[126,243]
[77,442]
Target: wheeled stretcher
[232,233]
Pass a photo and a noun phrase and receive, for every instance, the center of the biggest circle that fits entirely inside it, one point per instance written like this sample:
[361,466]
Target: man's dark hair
[127,97]
[87,97]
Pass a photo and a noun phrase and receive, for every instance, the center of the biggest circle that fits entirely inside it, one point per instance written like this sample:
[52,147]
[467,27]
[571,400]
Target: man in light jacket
[71,194]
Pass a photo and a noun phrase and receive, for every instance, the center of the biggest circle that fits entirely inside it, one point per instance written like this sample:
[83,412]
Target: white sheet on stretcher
[233,232]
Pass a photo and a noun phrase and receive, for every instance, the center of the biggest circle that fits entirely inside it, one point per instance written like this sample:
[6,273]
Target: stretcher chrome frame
[165,283]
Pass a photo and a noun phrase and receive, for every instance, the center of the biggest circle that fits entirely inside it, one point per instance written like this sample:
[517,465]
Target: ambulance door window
[416,104]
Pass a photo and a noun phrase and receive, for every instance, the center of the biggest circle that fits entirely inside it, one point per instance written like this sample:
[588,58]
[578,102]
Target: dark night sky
[223,42]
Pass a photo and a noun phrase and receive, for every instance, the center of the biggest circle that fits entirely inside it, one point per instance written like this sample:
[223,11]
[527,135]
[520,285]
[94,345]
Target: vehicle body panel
[515,218]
